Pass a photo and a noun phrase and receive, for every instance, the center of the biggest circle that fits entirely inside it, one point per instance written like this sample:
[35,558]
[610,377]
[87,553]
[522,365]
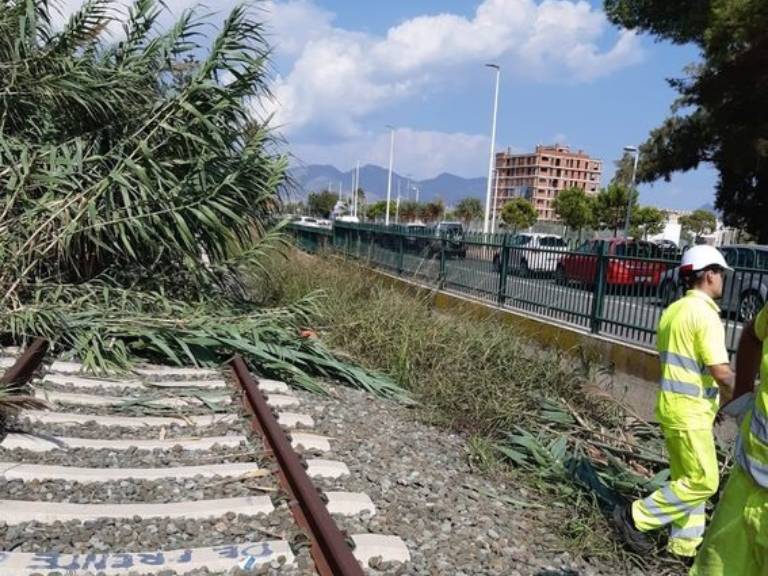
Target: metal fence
[608,287]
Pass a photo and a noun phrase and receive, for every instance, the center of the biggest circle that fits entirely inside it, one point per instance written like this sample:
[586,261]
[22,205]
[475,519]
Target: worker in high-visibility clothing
[695,375]
[737,541]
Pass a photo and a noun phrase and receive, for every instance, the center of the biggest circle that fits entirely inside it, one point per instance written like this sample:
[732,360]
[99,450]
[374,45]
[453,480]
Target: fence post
[441,273]
[598,290]
[503,270]
[358,242]
[400,253]
[346,244]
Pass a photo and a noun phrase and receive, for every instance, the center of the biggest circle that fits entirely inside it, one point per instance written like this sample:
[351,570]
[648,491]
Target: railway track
[173,471]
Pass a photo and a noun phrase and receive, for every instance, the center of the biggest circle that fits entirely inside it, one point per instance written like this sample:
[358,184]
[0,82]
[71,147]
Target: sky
[344,70]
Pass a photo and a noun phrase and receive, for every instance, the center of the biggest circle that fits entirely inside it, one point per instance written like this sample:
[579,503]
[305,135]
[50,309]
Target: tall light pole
[391,160]
[495,201]
[357,185]
[636,152]
[487,219]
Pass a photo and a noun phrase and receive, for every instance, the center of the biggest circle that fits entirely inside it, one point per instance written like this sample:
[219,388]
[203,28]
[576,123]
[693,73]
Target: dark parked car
[451,236]
[746,288]
[628,267]
[417,237]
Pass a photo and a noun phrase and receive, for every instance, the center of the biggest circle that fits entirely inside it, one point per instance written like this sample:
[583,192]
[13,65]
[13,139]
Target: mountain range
[373,180]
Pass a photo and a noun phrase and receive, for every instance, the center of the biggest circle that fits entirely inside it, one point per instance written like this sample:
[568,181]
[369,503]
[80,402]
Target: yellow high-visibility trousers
[681,503]
[736,543]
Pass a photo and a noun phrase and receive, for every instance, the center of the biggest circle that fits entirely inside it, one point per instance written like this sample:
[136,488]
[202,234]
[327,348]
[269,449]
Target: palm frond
[140,193]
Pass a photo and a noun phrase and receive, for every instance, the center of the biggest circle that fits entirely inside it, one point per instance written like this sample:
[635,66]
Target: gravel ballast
[133,458]
[137,534]
[95,431]
[132,490]
[454,521]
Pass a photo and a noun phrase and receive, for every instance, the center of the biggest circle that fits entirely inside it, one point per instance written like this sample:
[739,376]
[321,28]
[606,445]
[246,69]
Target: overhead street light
[634,150]
[488,199]
[389,179]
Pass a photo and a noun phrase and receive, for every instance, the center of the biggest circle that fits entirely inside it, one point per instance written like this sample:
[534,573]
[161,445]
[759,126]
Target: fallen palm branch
[140,189]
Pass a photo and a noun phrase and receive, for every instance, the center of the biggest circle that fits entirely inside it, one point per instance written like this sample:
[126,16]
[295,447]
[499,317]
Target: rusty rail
[21,371]
[329,549]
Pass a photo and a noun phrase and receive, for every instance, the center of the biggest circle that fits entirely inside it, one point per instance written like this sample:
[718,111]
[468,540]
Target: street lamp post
[495,201]
[636,152]
[389,179]
[357,186]
[487,219]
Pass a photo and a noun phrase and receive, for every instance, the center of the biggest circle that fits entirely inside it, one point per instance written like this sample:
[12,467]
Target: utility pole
[495,200]
[487,219]
[357,184]
[636,151]
[389,179]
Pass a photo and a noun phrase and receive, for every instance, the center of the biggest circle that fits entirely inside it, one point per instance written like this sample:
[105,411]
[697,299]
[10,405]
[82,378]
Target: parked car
[417,237]
[745,290]
[628,263]
[451,236]
[532,252]
[306,221]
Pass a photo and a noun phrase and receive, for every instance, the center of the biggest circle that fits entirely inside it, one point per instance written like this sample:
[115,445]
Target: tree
[322,203]
[648,220]
[431,211]
[611,206]
[624,167]
[519,213]
[378,210]
[408,211]
[720,116]
[469,209]
[360,201]
[137,202]
[699,222]
[574,208]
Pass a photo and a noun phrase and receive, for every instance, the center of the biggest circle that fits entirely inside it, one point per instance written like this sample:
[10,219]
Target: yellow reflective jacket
[752,444]
[690,337]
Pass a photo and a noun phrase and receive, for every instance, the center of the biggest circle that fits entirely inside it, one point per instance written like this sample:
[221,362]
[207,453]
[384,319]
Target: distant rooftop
[554,149]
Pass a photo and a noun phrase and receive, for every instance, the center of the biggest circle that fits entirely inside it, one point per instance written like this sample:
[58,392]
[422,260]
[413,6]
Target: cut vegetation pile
[544,412]
[136,185]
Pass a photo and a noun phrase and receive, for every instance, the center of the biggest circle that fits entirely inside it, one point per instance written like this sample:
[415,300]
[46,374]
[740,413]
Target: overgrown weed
[476,375]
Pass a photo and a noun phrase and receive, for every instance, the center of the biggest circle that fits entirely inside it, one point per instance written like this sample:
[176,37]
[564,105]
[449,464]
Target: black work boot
[637,541]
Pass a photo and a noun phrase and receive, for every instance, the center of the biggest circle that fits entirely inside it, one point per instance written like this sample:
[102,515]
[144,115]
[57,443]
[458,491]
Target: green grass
[472,374]
[517,403]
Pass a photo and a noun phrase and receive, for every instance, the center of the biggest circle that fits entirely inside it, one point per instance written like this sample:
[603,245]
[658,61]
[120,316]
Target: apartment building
[542,175]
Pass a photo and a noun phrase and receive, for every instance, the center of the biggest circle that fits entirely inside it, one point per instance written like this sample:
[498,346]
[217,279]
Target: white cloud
[422,154]
[294,24]
[338,77]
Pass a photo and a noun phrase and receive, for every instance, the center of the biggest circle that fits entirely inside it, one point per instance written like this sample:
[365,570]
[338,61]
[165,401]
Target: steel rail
[330,551]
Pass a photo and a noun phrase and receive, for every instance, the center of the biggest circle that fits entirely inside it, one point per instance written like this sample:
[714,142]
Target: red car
[630,265]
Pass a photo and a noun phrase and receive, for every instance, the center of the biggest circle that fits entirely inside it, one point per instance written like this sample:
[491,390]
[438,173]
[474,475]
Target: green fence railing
[610,287]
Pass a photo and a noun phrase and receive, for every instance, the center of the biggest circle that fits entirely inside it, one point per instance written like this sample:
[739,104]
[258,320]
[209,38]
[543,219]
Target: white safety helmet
[700,257]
